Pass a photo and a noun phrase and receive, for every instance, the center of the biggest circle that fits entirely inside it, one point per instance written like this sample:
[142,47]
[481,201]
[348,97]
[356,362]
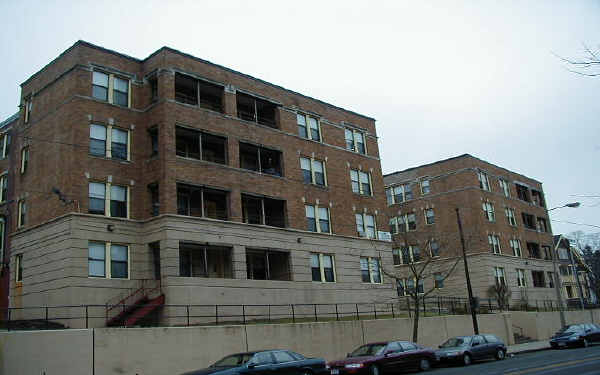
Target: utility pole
[469,289]
[557,285]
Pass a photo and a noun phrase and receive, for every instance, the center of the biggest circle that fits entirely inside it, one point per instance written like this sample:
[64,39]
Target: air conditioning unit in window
[362,234]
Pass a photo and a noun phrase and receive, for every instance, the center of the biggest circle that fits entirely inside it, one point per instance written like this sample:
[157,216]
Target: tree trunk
[416,320]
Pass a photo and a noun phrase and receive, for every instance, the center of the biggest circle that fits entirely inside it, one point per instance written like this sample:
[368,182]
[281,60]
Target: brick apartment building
[506,228]
[226,188]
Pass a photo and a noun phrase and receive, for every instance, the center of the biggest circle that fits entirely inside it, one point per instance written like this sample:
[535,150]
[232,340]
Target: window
[361,182]
[550,279]
[308,127]
[400,288]
[534,250]
[523,192]
[108,260]
[28,106]
[117,139]
[434,246]
[22,213]
[538,198]
[198,145]
[264,211]
[370,269]
[504,187]
[201,202]
[425,188]
[153,81]
[483,181]
[538,279]
[4,145]
[107,199]
[192,91]
[406,255]
[494,242]
[563,253]
[438,280]
[564,270]
[546,250]
[2,237]
[24,159]
[111,88]
[499,276]
[521,278]
[355,141]
[429,216]
[260,159]
[4,187]
[399,194]
[420,286]
[19,268]
[515,245]
[403,223]
[541,225]
[154,199]
[488,211]
[323,267]
[153,133]
[197,260]
[257,110]
[318,219]
[366,225]
[510,216]
[267,265]
[528,221]
[313,171]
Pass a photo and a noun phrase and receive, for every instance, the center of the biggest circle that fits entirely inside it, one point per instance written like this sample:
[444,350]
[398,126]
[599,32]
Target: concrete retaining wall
[174,350]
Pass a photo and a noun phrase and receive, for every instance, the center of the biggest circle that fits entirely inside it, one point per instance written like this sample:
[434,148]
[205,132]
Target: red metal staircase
[138,304]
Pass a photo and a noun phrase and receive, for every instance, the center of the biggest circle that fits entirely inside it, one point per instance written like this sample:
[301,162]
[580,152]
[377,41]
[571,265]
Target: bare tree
[588,65]
[501,293]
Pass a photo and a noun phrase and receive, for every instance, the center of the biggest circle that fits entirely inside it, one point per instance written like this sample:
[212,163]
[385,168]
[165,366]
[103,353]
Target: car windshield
[570,329]
[371,349]
[456,341]
[233,360]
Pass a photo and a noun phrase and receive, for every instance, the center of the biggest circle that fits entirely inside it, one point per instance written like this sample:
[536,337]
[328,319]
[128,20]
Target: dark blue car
[265,362]
[576,335]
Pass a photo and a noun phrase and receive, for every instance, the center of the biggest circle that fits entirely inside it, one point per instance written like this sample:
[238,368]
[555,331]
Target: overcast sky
[442,78]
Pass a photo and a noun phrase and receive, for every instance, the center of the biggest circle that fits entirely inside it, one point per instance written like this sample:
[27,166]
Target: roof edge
[9,120]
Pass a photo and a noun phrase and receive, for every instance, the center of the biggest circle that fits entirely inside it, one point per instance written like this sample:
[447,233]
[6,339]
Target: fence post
[244,314]
[357,316]
[337,316]
[106,313]
[269,313]
[375,310]
[8,321]
[86,316]
[47,326]
[216,315]
[490,304]
[424,308]
[315,307]
[293,314]
[187,314]
[537,307]
[393,315]
[439,306]
[452,306]
[408,307]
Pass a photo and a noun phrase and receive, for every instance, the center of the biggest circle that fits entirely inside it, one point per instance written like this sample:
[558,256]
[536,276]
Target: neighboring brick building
[229,189]
[506,226]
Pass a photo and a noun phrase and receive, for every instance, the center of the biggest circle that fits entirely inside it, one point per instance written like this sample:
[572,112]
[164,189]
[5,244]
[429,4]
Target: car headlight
[327,366]
[354,365]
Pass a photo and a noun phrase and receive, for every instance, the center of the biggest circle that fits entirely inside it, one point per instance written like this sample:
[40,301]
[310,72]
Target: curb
[529,350]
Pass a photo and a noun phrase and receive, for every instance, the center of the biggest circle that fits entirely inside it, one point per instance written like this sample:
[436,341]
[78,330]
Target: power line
[570,222]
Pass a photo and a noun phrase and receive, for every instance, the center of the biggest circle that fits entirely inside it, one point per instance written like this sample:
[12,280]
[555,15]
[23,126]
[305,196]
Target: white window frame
[425,183]
[494,242]
[364,224]
[28,106]
[371,269]
[307,126]
[317,217]
[2,237]
[484,182]
[396,224]
[489,211]
[391,196]
[108,260]
[19,268]
[111,87]
[521,281]
[500,275]
[4,145]
[359,175]
[22,212]
[411,254]
[510,216]
[108,141]
[321,256]
[515,245]
[355,134]
[313,180]
[3,186]
[24,159]
[437,280]
[107,198]
[429,217]
[504,187]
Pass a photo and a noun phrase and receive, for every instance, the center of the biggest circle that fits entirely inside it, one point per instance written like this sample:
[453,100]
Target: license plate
[335,371]
[562,344]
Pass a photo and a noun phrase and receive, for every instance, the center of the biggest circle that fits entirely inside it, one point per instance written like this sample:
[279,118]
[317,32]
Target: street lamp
[554,264]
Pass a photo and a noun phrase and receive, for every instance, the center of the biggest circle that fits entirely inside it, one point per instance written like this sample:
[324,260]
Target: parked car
[265,362]
[576,335]
[384,358]
[466,349]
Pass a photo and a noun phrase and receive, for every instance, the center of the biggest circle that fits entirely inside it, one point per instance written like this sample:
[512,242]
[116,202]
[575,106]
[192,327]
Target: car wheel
[306,372]
[424,365]
[585,343]
[374,370]
[500,354]
[466,359]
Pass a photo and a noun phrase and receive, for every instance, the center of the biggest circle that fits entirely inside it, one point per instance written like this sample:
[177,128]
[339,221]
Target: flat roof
[165,48]
[9,120]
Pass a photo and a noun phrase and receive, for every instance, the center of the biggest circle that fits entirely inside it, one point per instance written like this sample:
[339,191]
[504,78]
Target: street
[580,361]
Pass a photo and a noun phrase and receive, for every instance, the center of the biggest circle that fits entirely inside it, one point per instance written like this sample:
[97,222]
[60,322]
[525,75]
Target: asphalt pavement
[577,361]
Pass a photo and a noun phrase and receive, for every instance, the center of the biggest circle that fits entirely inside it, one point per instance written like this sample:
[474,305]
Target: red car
[384,358]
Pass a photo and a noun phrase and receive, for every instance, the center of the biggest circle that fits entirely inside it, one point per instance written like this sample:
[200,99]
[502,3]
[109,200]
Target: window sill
[125,161]
[322,187]
[363,195]
[108,278]
[324,282]
[113,104]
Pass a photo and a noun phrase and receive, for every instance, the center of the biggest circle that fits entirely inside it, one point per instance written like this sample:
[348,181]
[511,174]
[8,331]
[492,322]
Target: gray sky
[441,77]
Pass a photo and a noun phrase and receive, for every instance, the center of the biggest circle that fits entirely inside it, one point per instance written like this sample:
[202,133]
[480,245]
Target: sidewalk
[528,347]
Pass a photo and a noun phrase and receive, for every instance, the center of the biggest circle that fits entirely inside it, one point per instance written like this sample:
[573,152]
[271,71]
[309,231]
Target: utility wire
[570,222]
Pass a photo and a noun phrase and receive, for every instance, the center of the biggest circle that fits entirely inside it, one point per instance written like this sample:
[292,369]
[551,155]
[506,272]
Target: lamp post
[554,264]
